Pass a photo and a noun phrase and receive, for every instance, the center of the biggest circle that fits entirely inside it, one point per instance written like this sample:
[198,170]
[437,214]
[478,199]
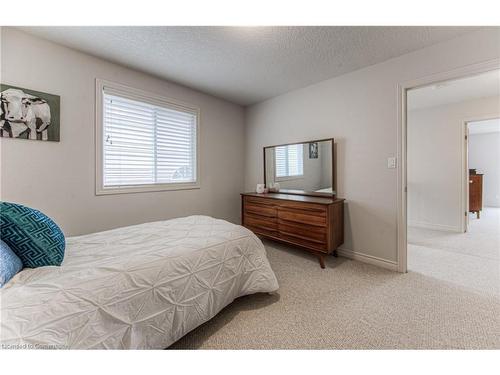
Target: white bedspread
[138,287]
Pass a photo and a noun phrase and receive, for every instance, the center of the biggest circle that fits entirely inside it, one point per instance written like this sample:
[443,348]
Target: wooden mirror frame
[305,192]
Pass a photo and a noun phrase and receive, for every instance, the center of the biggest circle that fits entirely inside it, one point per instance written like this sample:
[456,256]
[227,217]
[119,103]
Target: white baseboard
[441,227]
[370,259]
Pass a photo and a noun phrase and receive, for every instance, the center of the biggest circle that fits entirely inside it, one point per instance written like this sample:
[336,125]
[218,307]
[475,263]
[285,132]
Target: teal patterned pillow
[31,235]
[10,264]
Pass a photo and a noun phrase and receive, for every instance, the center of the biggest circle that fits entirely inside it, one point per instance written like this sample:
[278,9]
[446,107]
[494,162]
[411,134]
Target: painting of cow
[28,114]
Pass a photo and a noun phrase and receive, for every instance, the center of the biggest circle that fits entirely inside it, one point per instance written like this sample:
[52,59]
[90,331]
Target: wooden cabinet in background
[313,223]
[476,193]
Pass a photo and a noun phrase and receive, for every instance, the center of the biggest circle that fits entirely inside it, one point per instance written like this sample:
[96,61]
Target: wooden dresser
[313,223]
[475,193]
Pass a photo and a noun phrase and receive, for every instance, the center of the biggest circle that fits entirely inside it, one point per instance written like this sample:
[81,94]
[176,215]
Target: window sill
[146,188]
[291,178]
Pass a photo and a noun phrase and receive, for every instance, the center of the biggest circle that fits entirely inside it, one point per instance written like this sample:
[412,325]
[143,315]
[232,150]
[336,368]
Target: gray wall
[359,110]
[59,178]
[436,162]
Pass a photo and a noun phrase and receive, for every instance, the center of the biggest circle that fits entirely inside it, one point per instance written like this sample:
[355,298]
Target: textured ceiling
[470,88]
[246,65]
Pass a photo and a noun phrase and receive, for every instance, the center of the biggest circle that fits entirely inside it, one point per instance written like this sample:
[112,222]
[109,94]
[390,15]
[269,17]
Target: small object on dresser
[260,188]
[274,187]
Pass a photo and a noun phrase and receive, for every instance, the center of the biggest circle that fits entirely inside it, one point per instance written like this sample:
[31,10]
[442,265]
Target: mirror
[301,168]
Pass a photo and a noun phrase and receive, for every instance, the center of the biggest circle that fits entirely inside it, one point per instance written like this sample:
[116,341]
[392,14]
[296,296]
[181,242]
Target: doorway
[443,239]
[483,167]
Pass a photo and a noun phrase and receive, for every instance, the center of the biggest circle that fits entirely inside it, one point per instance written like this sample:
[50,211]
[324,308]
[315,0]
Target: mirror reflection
[302,166]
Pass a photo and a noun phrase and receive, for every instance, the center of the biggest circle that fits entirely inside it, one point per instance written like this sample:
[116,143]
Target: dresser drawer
[262,222]
[308,232]
[311,217]
[308,207]
[261,201]
[265,231]
[305,242]
[261,210]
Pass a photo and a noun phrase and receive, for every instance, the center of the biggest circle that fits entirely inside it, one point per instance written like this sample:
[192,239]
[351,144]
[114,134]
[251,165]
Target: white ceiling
[485,126]
[470,88]
[246,65]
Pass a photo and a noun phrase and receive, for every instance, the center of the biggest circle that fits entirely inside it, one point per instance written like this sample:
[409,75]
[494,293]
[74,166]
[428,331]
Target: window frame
[288,177]
[151,98]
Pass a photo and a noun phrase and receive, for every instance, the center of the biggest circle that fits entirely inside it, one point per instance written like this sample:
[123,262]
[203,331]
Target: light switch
[391,162]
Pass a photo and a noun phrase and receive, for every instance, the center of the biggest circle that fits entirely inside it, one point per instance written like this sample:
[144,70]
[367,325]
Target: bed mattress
[137,287]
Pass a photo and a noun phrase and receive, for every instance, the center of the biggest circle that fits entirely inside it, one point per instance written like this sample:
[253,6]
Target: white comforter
[139,287]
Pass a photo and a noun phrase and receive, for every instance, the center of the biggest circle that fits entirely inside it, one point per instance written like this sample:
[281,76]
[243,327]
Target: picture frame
[313,150]
[29,114]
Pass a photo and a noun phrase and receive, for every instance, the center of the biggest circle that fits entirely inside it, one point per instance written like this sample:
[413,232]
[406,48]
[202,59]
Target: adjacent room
[250,187]
[453,182]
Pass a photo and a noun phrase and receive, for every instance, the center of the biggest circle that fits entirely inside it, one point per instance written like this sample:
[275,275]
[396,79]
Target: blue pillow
[31,235]
[10,264]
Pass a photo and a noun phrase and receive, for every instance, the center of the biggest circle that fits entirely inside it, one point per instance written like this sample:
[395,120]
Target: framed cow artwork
[29,114]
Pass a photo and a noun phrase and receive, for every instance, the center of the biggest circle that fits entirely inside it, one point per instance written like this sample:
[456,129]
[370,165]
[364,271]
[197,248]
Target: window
[289,161]
[144,143]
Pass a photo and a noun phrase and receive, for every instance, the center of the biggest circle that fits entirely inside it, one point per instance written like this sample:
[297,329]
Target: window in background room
[147,143]
[289,161]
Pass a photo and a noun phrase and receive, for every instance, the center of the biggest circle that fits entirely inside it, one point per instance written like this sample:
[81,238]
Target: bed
[138,287]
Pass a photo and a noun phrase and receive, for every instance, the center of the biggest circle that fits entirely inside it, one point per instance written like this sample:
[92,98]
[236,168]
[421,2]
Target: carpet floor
[351,305]
[471,259]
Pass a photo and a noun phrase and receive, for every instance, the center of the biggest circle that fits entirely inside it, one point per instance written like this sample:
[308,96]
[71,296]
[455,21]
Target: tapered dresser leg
[335,253]
[321,261]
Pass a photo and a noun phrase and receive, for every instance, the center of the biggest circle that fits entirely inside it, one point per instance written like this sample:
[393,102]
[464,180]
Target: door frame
[465,175]
[402,182]
[465,170]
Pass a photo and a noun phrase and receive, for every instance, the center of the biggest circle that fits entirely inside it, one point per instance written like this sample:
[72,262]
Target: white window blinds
[289,160]
[147,144]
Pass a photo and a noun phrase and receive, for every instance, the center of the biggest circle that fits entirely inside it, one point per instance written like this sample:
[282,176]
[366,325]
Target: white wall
[359,110]
[484,155]
[59,178]
[435,162]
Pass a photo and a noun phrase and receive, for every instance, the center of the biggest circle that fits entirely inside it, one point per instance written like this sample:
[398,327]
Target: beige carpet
[471,260]
[351,305]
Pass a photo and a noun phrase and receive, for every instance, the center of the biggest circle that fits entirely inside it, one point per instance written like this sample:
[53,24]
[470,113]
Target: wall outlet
[391,162]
